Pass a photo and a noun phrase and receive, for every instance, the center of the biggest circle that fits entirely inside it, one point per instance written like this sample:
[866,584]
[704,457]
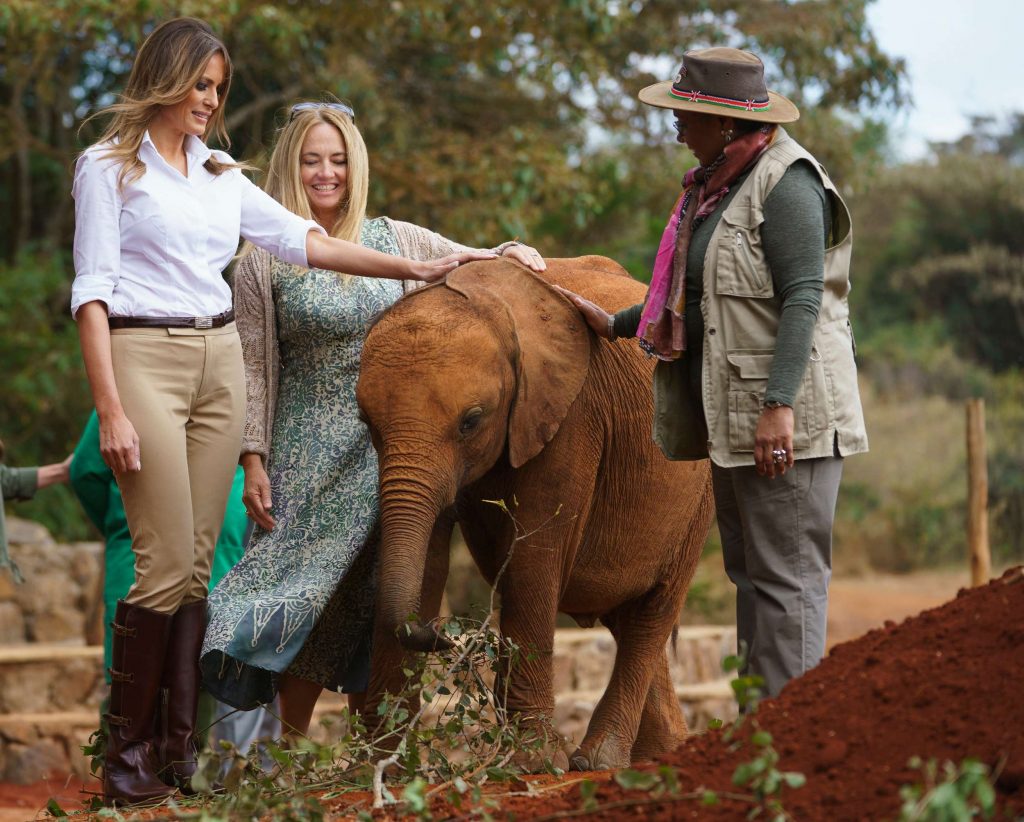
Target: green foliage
[45,402]
[760,774]
[461,104]
[747,688]
[483,121]
[762,777]
[957,794]
[465,739]
[938,306]
[946,253]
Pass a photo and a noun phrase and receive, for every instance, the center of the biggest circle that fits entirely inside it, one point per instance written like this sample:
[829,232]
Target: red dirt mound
[945,684]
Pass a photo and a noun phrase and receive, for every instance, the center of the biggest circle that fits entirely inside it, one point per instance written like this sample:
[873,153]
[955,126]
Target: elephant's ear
[554,350]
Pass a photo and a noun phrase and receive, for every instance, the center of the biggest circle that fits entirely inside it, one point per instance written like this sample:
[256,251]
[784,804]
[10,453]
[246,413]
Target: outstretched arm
[423,244]
[351,258]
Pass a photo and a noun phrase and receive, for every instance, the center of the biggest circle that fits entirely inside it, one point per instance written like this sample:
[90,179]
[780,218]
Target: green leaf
[414,795]
[588,793]
[794,779]
[632,780]
[55,810]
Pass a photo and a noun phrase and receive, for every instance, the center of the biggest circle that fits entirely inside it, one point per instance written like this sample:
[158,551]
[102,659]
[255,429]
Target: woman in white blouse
[158,217]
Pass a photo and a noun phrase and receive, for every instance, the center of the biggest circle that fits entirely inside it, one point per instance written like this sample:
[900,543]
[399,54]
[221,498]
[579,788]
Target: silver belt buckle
[204,322]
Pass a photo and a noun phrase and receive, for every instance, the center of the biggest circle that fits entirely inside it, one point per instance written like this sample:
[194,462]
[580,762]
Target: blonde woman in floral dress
[295,615]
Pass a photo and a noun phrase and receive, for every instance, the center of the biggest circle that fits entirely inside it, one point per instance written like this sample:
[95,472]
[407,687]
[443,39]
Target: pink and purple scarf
[662,329]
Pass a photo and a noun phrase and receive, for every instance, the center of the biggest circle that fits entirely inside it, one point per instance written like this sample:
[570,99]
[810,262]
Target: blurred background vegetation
[511,118]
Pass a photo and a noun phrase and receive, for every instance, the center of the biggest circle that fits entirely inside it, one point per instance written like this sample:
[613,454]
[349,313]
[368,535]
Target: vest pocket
[741,269]
[748,381]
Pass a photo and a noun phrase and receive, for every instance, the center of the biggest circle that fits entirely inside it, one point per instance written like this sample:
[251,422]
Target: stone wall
[51,669]
[51,681]
[58,599]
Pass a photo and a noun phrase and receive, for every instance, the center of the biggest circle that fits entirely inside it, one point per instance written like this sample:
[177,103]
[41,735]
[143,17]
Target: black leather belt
[173,322]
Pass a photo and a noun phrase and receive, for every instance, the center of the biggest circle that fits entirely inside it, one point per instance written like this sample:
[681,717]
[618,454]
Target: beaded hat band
[723,81]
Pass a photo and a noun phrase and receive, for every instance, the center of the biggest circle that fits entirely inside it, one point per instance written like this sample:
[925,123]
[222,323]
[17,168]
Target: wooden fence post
[977,493]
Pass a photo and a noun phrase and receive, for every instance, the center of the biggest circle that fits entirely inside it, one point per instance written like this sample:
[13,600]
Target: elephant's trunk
[410,503]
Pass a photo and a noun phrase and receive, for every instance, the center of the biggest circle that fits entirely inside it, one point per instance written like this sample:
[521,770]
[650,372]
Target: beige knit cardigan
[257,324]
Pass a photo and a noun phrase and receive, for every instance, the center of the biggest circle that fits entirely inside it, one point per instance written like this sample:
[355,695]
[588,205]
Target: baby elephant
[490,386]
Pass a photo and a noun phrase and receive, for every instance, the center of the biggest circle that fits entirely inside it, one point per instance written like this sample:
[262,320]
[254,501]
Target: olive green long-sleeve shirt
[15,483]
[797,222]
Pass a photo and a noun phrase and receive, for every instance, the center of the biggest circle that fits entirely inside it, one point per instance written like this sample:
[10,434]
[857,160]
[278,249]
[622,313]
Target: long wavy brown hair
[167,67]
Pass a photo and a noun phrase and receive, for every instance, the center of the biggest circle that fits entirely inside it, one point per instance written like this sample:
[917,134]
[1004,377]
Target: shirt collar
[195,148]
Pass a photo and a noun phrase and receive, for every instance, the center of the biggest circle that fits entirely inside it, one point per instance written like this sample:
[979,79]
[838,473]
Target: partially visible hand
[774,433]
[430,271]
[256,492]
[596,317]
[58,472]
[119,444]
[528,256]
[64,469]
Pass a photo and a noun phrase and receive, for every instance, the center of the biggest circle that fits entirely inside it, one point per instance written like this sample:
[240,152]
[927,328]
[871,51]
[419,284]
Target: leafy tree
[462,104]
[483,121]
[939,302]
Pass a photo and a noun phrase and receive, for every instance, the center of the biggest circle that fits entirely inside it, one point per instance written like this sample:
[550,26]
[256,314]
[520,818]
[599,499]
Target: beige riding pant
[184,391]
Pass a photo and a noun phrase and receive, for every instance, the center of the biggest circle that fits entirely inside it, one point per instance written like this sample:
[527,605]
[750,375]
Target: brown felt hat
[722,81]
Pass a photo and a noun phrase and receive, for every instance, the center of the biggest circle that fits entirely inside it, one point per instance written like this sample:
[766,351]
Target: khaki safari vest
[741,319]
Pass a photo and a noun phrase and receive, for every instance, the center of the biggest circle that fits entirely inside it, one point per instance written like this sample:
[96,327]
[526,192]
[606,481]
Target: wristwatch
[775,404]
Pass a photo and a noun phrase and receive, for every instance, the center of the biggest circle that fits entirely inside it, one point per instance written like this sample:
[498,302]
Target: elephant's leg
[524,686]
[662,724]
[641,629]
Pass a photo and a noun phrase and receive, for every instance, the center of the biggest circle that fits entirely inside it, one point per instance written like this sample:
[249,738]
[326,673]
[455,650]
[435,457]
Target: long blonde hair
[167,67]
[284,178]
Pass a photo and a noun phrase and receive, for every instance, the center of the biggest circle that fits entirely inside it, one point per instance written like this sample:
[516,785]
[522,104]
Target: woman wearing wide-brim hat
[747,313]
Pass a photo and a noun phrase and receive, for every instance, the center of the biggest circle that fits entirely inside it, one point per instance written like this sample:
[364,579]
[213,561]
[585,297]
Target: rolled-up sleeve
[19,483]
[97,250]
[268,224]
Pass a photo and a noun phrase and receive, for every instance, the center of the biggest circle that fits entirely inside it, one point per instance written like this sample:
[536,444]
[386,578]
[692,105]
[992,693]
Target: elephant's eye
[470,420]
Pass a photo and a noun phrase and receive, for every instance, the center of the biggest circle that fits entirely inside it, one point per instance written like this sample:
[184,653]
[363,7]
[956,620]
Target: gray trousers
[246,728]
[777,547]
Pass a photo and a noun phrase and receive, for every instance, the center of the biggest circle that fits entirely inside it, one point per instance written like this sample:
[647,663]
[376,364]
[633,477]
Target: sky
[964,57]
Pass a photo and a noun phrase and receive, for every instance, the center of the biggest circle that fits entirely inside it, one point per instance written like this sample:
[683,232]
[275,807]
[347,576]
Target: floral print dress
[301,599]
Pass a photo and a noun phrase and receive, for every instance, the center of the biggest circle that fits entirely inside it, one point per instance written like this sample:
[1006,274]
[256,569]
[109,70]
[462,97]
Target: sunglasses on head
[298,107]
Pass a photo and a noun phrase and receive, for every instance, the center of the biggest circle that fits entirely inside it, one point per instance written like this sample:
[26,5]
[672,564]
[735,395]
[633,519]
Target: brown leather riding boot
[140,636]
[177,745]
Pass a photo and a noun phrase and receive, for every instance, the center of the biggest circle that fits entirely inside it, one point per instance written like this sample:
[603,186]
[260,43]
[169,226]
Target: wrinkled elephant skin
[490,386]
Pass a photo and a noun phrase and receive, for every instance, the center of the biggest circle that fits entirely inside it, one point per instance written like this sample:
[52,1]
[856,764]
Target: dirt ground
[856,606]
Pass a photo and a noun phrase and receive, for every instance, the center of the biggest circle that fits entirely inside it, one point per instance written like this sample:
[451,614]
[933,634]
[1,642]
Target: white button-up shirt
[159,247]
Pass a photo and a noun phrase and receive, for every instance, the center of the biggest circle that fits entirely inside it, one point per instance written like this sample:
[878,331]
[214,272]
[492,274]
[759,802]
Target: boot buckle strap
[123,630]
[121,721]
[118,676]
